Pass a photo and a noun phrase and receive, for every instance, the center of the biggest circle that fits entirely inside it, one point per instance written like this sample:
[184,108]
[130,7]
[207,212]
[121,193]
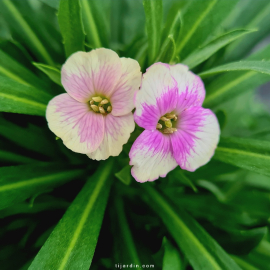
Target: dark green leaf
[203,53]
[20,98]
[154,15]
[249,154]
[201,249]
[20,182]
[167,51]
[8,156]
[124,175]
[258,66]
[72,243]
[221,116]
[243,264]
[52,72]
[52,3]
[232,84]
[70,23]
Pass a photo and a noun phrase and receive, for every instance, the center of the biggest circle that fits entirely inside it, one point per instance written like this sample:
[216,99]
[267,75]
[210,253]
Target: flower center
[166,123]
[100,105]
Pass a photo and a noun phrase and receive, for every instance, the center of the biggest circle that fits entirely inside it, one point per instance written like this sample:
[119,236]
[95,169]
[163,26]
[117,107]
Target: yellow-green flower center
[101,105]
[166,123]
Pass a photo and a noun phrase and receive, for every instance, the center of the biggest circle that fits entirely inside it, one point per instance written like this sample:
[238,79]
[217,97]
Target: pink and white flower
[94,116]
[178,131]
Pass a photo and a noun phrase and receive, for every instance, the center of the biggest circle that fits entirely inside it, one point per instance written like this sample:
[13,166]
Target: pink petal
[122,97]
[80,129]
[89,73]
[117,133]
[152,157]
[157,96]
[196,138]
[191,90]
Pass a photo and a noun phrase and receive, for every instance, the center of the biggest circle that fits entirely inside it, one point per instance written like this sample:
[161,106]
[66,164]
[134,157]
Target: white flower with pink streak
[94,116]
[178,131]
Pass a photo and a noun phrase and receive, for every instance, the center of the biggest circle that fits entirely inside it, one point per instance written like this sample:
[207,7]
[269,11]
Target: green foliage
[70,23]
[214,218]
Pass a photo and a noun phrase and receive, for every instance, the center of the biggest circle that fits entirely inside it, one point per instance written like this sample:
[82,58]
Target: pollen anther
[97,99]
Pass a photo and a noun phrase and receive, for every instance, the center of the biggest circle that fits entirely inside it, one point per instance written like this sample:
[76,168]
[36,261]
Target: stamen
[101,110]
[170,115]
[169,130]
[168,123]
[97,99]
[95,108]
[109,109]
[92,102]
[163,118]
[175,118]
[159,126]
[104,101]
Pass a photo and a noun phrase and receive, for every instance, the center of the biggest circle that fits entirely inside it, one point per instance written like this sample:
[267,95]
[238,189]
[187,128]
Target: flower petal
[152,157]
[117,133]
[80,129]
[130,81]
[191,90]
[88,73]
[196,138]
[157,96]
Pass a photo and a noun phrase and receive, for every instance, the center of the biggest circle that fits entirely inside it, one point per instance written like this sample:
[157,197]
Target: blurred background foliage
[61,210]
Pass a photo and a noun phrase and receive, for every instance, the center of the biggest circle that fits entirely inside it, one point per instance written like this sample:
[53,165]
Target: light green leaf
[257,66]
[154,15]
[244,264]
[202,54]
[249,154]
[72,243]
[19,98]
[52,72]
[198,246]
[167,51]
[171,258]
[19,20]
[202,22]
[124,175]
[232,84]
[95,23]
[20,182]
[70,23]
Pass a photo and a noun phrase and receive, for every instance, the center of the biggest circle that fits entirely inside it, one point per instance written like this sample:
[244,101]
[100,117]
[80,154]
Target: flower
[94,116]
[178,131]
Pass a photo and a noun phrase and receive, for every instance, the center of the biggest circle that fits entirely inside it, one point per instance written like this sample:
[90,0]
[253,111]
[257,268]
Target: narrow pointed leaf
[19,98]
[20,182]
[249,154]
[72,243]
[153,15]
[167,51]
[202,54]
[7,156]
[257,66]
[230,85]
[94,21]
[52,3]
[124,175]
[199,247]
[52,72]
[70,23]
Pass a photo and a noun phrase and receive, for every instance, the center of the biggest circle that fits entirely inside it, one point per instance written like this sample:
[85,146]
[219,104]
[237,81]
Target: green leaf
[70,23]
[249,154]
[24,27]
[8,156]
[52,3]
[257,66]
[198,246]
[72,243]
[232,84]
[171,258]
[52,72]
[95,22]
[167,51]
[15,71]
[20,182]
[243,264]
[202,54]
[19,98]
[124,175]
[202,22]
[154,15]
[222,118]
